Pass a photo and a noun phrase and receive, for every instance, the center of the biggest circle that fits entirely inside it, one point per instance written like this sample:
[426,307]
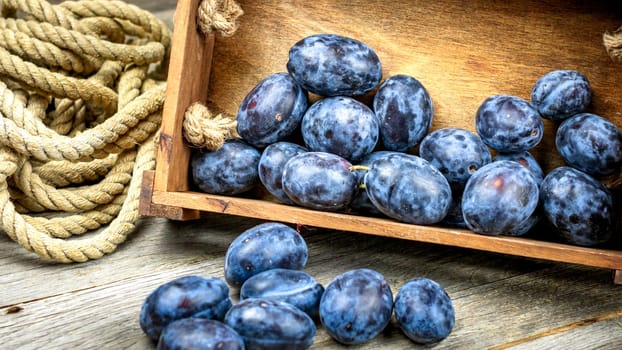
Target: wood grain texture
[187,82]
[501,301]
[498,299]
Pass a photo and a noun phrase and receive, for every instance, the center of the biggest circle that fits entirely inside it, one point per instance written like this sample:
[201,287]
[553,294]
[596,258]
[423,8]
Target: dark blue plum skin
[361,203]
[263,247]
[188,296]
[291,286]
[499,197]
[272,110]
[578,206]
[230,170]
[271,164]
[525,159]
[271,325]
[342,126]
[199,333]
[454,216]
[456,152]
[356,306]
[408,188]
[590,143]
[319,180]
[508,124]
[405,111]
[560,94]
[424,311]
[334,65]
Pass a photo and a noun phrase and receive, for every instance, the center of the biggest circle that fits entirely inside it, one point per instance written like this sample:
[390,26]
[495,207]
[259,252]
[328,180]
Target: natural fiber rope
[201,128]
[80,106]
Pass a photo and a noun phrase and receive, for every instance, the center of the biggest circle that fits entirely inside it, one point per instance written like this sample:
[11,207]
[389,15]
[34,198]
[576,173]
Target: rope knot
[220,15]
[613,43]
[204,130]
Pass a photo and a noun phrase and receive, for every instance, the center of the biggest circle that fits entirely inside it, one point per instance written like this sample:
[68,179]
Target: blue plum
[525,159]
[272,110]
[334,65]
[271,325]
[578,206]
[271,164]
[560,94]
[356,306]
[319,180]
[342,126]
[360,202]
[230,170]
[408,188]
[499,197]
[198,333]
[405,111]
[590,143]
[188,296]
[456,152]
[508,124]
[263,247]
[424,311]
[291,286]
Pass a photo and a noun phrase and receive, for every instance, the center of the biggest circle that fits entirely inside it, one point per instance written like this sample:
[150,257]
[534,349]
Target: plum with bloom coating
[230,170]
[271,111]
[264,247]
[342,126]
[578,206]
[405,111]
[188,296]
[424,311]
[198,333]
[590,143]
[408,188]
[499,197]
[319,180]
[508,124]
[560,94]
[291,286]
[270,324]
[356,306]
[334,65]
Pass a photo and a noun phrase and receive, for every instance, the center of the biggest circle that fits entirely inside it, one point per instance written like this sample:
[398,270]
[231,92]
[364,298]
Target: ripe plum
[272,110]
[334,65]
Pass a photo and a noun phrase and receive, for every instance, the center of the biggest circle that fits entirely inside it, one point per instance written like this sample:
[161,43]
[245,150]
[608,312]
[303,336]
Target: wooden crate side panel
[187,82]
[605,258]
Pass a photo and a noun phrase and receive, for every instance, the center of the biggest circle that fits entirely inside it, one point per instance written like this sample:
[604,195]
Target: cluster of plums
[362,159]
[280,304]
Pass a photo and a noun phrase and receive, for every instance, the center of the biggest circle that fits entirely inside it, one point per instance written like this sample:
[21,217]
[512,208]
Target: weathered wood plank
[500,301]
[103,297]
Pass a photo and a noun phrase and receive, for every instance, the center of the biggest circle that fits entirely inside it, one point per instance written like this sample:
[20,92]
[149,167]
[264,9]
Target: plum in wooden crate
[462,53]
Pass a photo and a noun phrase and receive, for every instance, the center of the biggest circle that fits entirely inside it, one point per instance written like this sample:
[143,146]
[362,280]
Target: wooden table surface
[500,301]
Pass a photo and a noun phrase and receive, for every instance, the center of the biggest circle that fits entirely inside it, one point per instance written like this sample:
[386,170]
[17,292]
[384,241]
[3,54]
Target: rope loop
[219,15]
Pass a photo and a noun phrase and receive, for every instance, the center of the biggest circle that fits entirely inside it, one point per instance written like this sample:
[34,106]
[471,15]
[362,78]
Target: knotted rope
[201,128]
[80,106]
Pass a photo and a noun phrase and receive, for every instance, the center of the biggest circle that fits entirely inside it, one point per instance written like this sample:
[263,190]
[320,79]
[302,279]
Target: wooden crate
[461,51]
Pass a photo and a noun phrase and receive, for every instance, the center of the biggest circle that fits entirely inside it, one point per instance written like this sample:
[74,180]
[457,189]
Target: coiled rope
[80,106]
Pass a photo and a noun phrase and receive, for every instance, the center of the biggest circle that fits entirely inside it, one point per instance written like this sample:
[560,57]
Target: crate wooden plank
[187,82]
[606,258]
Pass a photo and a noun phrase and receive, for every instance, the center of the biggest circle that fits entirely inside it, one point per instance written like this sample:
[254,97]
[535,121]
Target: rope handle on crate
[80,107]
[201,128]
